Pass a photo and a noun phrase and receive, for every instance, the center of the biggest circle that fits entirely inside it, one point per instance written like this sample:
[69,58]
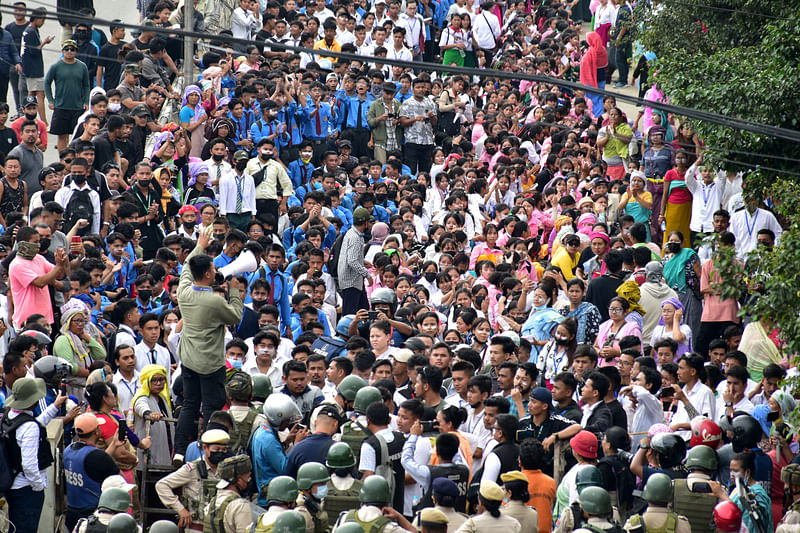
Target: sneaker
[177,460]
[620,85]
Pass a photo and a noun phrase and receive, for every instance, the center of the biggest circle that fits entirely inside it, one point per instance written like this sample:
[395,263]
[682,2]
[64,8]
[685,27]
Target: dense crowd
[331,294]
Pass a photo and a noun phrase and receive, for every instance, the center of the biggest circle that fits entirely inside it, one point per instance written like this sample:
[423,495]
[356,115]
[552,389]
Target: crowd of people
[333,295]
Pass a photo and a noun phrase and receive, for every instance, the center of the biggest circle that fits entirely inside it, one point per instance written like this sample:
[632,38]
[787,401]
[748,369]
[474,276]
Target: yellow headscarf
[144,378]
[630,291]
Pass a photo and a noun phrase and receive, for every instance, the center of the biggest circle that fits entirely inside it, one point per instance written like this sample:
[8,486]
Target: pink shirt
[28,299]
[714,308]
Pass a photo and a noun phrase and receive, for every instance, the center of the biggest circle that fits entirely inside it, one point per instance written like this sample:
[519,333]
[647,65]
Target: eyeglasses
[158,379]
[79,320]
[614,309]
[624,363]
[67,161]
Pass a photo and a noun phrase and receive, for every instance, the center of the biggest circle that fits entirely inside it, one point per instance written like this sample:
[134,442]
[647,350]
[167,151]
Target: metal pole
[188,42]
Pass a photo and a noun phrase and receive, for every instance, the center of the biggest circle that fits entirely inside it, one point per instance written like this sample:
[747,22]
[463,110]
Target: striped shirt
[352,271]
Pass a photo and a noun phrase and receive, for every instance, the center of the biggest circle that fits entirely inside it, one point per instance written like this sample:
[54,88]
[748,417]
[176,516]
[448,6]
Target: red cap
[727,517]
[584,444]
[187,208]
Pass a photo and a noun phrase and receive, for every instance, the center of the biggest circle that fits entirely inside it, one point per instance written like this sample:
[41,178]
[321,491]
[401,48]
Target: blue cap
[541,394]
[445,487]
[760,413]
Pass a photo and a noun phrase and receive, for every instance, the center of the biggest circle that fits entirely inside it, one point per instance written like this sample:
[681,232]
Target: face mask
[219,236]
[217,158]
[380,198]
[189,225]
[673,247]
[257,304]
[772,416]
[305,157]
[216,458]
[321,492]
[114,108]
[266,156]
[430,277]
[241,165]
[376,90]
[145,295]
[44,244]
[27,250]
[79,179]
[418,209]
[81,35]
[235,363]
[144,184]
[30,116]
[342,472]
[506,151]
[491,150]
[562,341]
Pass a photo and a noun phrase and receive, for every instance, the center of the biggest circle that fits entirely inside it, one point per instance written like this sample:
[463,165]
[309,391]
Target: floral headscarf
[144,378]
[70,310]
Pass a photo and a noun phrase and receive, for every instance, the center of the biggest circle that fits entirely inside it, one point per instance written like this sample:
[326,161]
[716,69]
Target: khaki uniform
[567,524]
[195,491]
[268,518]
[598,524]
[321,525]
[454,518]
[368,513]
[237,517]
[655,518]
[239,412]
[527,517]
[486,523]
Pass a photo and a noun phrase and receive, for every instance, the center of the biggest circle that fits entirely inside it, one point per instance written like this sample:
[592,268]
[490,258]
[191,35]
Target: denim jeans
[200,391]
[25,508]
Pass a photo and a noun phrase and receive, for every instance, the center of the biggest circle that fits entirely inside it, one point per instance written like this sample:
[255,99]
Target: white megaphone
[246,262]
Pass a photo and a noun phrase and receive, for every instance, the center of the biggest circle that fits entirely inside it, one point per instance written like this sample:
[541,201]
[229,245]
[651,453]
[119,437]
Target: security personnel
[163,526]
[343,401]
[374,515]
[112,501]
[289,522]
[433,520]
[123,523]
[445,493]
[85,468]
[588,476]
[262,387]
[790,475]
[489,518]
[196,479]
[516,485]
[596,509]
[230,512]
[691,496]
[354,431]
[343,488]
[247,420]
[282,493]
[658,518]
[312,480]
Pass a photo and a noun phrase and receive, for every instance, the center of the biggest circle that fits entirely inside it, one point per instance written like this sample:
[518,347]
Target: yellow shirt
[566,262]
[322,45]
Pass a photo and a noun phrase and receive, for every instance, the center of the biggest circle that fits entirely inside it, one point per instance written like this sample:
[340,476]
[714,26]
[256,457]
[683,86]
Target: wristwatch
[728,404]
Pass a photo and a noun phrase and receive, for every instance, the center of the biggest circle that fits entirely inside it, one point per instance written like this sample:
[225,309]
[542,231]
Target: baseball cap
[402,355]
[132,68]
[584,444]
[541,394]
[30,100]
[140,111]
[445,487]
[389,87]
[116,482]
[332,76]
[432,516]
[86,424]
[361,215]
[345,142]
[239,155]
[69,42]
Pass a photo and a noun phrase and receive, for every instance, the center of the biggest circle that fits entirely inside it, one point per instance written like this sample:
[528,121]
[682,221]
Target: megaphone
[246,262]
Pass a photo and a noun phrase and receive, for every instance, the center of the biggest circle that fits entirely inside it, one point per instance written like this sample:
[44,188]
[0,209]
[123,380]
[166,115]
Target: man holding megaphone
[202,346]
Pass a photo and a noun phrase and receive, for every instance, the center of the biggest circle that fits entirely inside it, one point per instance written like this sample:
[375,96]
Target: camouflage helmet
[114,499]
[790,475]
[231,468]
[122,523]
[349,386]
[365,397]
[289,522]
[595,501]
[340,456]
[588,476]
[658,489]
[310,474]
[239,386]
[262,387]
[282,489]
[375,489]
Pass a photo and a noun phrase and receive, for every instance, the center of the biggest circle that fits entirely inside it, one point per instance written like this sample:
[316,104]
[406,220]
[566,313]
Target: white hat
[116,482]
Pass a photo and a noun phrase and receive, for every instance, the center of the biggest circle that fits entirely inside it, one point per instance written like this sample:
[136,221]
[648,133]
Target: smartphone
[63,388]
[123,293]
[667,391]
[300,427]
[372,315]
[76,239]
[701,487]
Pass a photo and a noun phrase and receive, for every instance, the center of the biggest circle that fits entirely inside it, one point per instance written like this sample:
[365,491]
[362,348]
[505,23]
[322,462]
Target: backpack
[333,260]
[242,433]
[10,458]
[385,469]
[329,347]
[79,207]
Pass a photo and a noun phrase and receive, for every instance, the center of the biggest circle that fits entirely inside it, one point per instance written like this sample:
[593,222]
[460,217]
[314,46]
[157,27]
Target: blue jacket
[352,103]
[299,172]
[8,50]
[269,461]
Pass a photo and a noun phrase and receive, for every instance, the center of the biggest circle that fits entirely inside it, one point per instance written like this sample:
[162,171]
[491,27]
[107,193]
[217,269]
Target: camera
[523,434]
[372,315]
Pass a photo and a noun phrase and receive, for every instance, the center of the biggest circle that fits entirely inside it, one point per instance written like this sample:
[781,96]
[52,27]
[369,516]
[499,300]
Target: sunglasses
[70,49]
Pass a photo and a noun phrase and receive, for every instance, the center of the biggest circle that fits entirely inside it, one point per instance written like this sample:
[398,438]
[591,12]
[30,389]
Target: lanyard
[747,222]
[135,386]
[478,420]
[145,205]
[707,191]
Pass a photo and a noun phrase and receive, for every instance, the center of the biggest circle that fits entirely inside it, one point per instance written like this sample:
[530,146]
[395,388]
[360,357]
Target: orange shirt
[542,489]
[464,448]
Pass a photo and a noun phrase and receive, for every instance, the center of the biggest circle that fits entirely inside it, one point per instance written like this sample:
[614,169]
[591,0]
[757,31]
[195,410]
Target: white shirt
[415,28]
[225,169]
[368,458]
[275,372]
[125,337]
[744,405]
[486,29]
[64,195]
[28,441]
[404,54]
[702,399]
[706,199]
[244,23]
[145,355]
[746,227]
[228,191]
[344,37]
[126,390]
[649,410]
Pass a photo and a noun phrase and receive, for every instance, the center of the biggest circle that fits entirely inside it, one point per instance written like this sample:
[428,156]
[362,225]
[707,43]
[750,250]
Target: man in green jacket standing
[202,346]
[382,118]
[71,78]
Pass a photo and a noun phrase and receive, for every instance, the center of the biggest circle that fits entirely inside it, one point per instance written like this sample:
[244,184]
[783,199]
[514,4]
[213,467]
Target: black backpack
[10,459]
[333,261]
[79,207]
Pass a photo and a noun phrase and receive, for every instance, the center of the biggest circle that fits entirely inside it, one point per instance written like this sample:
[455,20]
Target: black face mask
[506,151]
[380,198]
[562,342]
[145,294]
[673,247]
[217,158]
[219,236]
[216,458]
[80,35]
[79,179]
[430,277]
[491,150]
[519,319]
[257,304]
[30,116]
[772,416]
[241,165]
[144,184]
[44,244]
[190,225]
[418,209]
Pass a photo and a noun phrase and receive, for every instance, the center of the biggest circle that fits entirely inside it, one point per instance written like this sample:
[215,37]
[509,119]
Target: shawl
[540,325]
[675,269]
[595,57]
[581,314]
[199,111]
[69,311]
[630,291]
[144,378]
[759,348]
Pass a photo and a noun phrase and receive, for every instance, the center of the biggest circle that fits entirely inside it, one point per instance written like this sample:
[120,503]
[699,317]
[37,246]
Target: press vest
[458,474]
[395,449]
[82,491]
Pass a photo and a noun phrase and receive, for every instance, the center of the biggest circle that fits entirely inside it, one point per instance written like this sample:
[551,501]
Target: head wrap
[70,310]
[585,222]
[195,169]
[599,235]
[630,291]
[144,378]
[674,302]
[199,111]
[96,376]
[380,230]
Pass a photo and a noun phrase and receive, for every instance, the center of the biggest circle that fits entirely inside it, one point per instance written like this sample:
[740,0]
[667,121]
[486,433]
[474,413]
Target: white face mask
[114,107]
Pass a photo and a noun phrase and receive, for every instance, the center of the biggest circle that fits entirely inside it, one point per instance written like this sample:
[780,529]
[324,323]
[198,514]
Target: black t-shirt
[104,150]
[553,424]
[8,140]
[111,65]
[601,290]
[16,33]
[618,415]
[99,465]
